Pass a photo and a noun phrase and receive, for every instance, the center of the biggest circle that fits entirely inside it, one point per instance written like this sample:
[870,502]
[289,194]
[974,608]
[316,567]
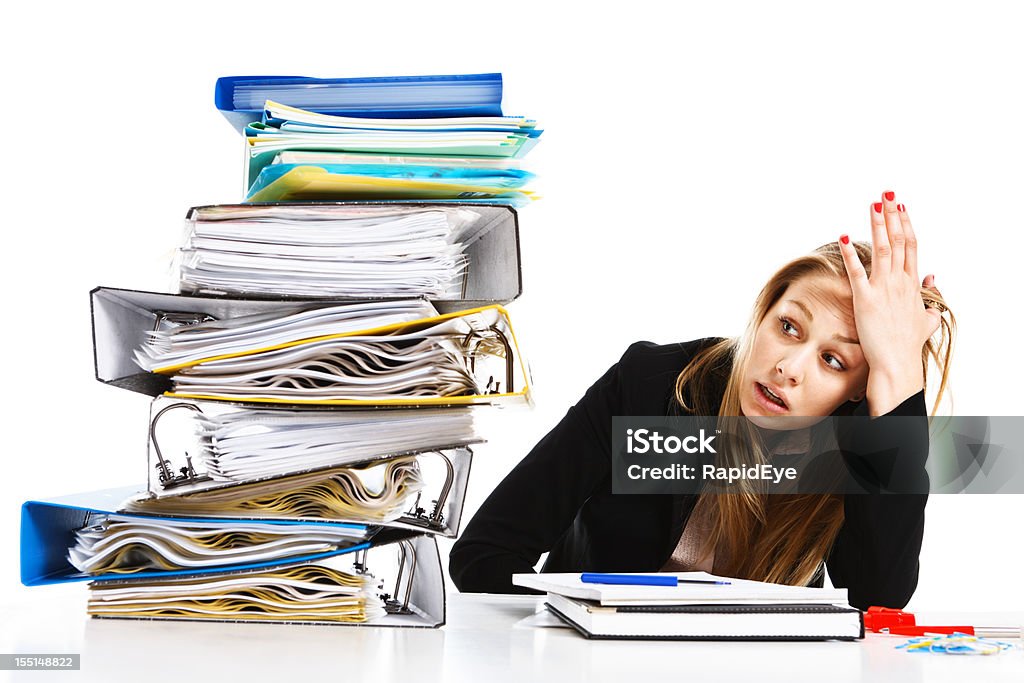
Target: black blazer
[558,499]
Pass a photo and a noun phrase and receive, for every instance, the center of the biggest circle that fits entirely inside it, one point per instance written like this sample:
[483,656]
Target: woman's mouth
[769,400]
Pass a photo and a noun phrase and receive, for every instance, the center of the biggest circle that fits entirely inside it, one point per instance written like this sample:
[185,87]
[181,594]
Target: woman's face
[806,360]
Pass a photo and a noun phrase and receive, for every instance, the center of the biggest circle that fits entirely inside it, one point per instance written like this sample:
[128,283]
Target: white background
[688,153]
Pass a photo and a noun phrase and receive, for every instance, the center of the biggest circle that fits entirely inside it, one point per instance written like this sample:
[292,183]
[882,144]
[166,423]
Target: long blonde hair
[780,538]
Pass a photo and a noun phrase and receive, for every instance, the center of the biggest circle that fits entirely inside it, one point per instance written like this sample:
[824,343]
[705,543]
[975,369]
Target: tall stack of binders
[315,376]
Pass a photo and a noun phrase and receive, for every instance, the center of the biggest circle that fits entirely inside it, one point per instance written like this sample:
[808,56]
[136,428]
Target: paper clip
[955,644]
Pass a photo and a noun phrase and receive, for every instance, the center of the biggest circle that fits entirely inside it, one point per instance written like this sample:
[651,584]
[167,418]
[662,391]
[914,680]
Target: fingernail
[899,207]
[889,196]
[878,207]
[845,239]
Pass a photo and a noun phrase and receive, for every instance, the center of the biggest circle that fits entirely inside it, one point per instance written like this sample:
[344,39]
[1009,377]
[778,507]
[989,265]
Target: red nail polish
[889,196]
[899,207]
[878,207]
[845,239]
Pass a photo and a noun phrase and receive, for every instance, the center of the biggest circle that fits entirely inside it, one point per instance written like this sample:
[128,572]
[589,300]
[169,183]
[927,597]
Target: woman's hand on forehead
[892,321]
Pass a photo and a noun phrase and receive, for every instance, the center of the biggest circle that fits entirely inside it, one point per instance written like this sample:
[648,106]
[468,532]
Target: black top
[559,498]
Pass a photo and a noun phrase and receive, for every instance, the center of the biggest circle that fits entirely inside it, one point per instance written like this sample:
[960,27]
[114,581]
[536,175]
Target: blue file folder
[48,530]
[240,98]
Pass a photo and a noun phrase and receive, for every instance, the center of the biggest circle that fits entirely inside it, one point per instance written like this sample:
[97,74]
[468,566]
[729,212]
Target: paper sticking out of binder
[235,570]
[375,492]
[463,256]
[85,536]
[395,499]
[306,183]
[298,593]
[252,464]
[277,352]
[285,128]
[228,444]
[395,582]
[130,544]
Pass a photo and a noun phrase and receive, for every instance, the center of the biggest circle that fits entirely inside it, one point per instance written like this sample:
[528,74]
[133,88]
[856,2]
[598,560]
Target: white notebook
[739,591]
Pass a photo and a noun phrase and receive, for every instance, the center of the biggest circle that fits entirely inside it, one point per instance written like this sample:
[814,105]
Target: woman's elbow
[895,592]
[460,568]
[478,568]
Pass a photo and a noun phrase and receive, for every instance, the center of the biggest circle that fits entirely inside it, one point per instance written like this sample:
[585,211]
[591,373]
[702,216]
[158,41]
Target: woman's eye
[833,362]
[788,327]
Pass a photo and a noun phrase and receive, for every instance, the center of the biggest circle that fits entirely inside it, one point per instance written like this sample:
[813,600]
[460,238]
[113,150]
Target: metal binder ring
[167,478]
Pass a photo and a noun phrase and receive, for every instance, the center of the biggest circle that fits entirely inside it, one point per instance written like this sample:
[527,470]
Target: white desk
[481,642]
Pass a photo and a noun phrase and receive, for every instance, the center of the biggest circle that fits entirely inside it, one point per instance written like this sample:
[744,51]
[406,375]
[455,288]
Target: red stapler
[896,622]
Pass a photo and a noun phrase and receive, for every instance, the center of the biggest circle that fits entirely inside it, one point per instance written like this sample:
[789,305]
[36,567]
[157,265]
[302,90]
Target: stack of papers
[316,356]
[123,544]
[284,129]
[741,610]
[247,444]
[374,493]
[306,158]
[323,251]
[363,368]
[304,593]
[295,182]
[183,345]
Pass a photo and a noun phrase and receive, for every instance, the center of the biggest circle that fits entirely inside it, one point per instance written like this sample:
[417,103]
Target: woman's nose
[792,367]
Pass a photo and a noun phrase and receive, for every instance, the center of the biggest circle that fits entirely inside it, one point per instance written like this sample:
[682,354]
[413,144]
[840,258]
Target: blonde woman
[847,330]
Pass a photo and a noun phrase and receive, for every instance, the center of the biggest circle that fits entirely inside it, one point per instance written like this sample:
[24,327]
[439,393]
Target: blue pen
[645,580]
